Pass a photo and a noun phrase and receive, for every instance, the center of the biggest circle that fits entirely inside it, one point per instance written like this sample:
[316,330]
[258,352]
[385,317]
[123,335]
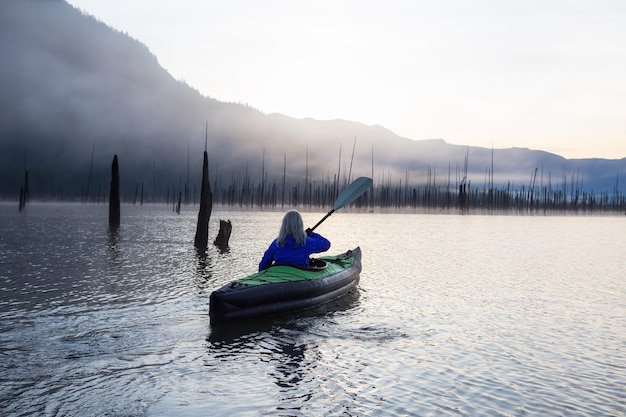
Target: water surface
[454,315]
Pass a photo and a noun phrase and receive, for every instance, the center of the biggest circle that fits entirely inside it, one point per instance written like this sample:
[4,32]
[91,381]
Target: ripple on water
[469,315]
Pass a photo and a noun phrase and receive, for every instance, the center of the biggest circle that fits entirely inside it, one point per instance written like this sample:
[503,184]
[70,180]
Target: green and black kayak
[282,288]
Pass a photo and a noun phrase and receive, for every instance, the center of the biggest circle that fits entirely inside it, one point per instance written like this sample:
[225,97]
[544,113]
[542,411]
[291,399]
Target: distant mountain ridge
[75,92]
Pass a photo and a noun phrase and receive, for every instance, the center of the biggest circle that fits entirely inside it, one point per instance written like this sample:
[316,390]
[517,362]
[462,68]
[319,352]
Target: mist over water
[470,315]
[71,101]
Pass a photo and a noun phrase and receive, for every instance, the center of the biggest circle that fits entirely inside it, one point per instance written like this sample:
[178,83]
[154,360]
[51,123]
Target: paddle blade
[352,192]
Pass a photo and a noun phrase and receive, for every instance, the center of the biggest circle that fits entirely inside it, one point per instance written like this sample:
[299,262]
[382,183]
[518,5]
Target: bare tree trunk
[114,197]
[206,205]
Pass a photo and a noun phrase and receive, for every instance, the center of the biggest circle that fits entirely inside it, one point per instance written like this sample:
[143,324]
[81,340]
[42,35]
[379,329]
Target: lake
[499,315]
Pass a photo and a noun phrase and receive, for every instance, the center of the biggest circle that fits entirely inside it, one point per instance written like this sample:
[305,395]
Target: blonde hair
[292,226]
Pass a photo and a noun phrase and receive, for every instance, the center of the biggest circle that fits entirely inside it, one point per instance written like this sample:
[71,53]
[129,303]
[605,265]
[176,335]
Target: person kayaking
[294,245]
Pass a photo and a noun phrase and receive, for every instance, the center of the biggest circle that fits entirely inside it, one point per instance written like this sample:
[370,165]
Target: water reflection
[114,236]
[114,228]
[204,271]
[288,343]
[291,357]
[281,344]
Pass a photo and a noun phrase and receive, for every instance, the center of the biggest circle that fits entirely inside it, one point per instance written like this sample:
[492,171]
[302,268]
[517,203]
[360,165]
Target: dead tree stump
[206,205]
[114,196]
[223,236]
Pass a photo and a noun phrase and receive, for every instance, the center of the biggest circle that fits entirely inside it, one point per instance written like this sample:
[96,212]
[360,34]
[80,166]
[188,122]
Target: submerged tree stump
[201,240]
[114,196]
[223,236]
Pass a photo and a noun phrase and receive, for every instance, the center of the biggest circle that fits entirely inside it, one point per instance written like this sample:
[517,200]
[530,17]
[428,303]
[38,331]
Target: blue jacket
[292,254]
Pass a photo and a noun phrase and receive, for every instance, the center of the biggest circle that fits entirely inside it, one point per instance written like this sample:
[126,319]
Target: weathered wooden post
[221,241]
[114,196]
[206,205]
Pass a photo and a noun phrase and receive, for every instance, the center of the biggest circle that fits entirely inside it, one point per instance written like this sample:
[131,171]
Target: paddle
[347,196]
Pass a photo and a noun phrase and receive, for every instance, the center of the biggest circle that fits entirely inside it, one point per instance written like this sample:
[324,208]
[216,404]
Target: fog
[73,88]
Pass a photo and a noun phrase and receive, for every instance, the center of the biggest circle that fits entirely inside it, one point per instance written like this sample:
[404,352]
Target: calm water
[455,315]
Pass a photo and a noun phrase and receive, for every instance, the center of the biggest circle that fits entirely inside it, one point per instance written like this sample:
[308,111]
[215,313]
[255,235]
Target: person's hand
[308,231]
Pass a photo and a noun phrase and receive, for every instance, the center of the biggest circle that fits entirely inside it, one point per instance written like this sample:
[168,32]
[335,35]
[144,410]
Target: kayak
[282,288]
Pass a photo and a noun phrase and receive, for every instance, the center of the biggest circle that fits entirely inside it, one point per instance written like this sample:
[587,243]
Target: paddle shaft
[324,218]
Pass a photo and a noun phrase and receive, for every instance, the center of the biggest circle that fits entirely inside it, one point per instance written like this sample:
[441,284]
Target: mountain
[74,92]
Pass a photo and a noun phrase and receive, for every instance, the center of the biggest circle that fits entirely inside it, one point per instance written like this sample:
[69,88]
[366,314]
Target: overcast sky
[543,74]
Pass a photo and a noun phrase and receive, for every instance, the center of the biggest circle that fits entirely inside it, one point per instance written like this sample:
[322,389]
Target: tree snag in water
[114,196]
[206,205]
[221,241]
